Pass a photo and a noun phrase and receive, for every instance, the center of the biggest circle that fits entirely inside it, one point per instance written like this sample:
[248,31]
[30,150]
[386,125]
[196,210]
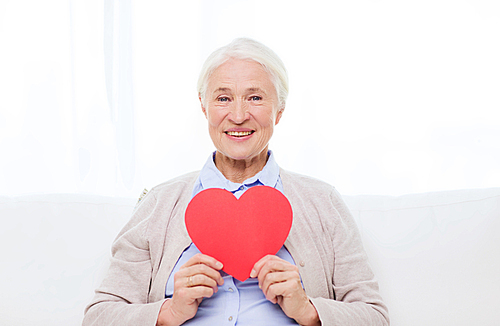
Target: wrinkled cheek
[270,130]
[214,134]
[218,138]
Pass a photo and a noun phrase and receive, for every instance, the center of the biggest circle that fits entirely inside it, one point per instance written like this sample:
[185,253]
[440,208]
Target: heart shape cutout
[239,232]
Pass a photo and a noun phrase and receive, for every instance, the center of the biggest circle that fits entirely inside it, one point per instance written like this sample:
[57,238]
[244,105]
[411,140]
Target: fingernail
[253,273]
[218,265]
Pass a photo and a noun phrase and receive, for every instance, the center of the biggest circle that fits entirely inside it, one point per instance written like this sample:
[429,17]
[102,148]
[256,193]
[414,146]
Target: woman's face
[241,106]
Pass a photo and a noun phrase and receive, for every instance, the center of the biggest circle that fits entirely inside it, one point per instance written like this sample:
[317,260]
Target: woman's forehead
[246,73]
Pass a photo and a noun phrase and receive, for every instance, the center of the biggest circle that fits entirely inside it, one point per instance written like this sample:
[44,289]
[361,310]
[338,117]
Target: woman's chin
[243,155]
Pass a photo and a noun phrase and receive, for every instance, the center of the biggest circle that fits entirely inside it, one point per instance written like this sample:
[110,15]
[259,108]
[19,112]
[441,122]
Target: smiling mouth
[239,133]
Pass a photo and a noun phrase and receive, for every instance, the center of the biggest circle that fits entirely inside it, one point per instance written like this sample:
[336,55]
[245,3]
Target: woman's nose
[239,112]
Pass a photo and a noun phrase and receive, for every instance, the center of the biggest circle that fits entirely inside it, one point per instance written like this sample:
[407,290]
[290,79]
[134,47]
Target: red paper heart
[239,232]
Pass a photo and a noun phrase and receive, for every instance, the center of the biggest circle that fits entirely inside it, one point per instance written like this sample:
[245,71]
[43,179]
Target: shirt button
[230,290]
[242,187]
[230,318]
[302,264]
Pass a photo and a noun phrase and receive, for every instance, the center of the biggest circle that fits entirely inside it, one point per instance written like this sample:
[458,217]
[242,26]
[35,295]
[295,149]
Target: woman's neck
[238,171]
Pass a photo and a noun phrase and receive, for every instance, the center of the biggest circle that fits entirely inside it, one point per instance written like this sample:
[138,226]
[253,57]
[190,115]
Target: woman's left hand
[280,283]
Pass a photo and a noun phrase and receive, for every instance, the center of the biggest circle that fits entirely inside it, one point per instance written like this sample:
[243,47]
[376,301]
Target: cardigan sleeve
[357,300]
[122,298]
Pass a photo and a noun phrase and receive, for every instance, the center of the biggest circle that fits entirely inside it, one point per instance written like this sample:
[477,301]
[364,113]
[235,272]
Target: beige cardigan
[324,242]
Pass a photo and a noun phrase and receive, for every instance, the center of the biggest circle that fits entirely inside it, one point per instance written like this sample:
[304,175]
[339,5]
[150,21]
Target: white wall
[387,97]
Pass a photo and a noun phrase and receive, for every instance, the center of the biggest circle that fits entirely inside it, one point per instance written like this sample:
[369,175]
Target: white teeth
[238,133]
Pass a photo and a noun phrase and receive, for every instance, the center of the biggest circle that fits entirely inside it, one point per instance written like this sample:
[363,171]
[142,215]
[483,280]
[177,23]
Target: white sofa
[436,255]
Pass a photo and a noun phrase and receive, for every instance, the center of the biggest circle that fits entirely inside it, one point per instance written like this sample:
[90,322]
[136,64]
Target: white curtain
[386,97]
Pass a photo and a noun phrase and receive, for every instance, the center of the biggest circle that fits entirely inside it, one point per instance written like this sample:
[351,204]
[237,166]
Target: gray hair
[247,49]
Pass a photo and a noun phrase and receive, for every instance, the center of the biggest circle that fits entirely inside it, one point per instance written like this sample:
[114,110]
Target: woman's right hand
[198,278]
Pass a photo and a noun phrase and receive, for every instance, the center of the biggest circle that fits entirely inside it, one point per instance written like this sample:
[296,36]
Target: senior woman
[320,276]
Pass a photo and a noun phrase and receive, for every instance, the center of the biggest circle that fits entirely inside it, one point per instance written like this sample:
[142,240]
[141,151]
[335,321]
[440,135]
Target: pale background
[98,98]
[386,97]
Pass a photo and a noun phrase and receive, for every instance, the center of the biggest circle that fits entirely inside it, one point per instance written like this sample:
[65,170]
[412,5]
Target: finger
[201,292]
[206,271]
[204,259]
[197,275]
[273,266]
[258,265]
[290,296]
[201,280]
[190,295]
[201,264]
[277,291]
[277,281]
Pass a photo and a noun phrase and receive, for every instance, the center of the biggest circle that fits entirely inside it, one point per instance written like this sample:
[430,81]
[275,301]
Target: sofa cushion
[55,249]
[437,255]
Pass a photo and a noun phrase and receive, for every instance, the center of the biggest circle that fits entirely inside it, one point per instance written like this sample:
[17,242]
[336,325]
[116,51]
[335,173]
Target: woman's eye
[256,98]
[223,99]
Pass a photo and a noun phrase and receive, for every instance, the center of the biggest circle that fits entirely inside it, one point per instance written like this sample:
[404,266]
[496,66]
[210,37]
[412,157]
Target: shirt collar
[211,177]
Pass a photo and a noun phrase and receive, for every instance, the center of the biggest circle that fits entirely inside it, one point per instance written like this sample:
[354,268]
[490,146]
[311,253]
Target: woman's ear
[202,106]
[278,116]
